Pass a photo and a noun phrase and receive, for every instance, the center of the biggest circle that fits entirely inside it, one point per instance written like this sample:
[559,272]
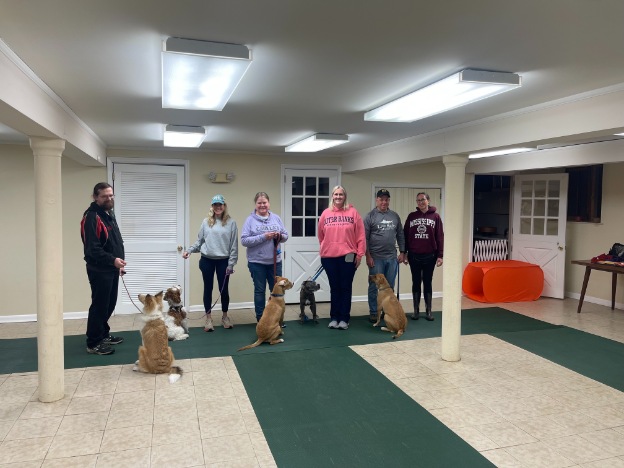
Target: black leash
[220,292]
[128,292]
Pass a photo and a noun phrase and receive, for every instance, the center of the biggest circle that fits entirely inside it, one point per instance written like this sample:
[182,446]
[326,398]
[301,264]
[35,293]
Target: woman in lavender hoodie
[262,233]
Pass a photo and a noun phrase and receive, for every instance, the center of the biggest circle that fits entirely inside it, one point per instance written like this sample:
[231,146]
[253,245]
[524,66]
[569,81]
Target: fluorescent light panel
[501,152]
[619,134]
[201,75]
[183,136]
[317,142]
[455,91]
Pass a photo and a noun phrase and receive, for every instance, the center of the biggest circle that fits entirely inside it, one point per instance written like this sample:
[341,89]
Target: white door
[306,195]
[539,226]
[150,207]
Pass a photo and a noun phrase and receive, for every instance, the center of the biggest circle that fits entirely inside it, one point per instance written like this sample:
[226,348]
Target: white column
[453,230]
[49,257]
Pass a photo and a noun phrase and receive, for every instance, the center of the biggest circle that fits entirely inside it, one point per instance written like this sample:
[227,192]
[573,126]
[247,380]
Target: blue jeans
[262,274]
[387,266]
[340,275]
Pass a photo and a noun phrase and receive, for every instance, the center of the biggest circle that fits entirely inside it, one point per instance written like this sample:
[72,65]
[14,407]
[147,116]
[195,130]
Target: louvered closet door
[149,205]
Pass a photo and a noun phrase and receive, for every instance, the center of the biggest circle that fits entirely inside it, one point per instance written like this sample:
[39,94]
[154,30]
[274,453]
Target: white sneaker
[209,327]
[227,323]
[343,325]
[333,324]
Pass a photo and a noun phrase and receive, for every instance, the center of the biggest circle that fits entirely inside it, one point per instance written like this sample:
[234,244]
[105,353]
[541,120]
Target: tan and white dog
[155,355]
[175,318]
[269,327]
[394,316]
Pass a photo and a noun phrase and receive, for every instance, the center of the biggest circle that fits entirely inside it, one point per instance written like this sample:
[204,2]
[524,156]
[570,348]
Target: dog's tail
[174,374]
[399,333]
[252,345]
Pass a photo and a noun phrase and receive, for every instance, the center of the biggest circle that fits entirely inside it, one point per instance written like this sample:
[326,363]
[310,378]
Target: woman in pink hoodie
[343,244]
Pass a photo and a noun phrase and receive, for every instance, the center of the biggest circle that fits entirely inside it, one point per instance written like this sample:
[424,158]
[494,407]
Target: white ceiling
[317,65]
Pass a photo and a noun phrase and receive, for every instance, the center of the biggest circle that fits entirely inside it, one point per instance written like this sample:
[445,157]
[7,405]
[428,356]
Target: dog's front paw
[183,337]
[281,340]
[135,369]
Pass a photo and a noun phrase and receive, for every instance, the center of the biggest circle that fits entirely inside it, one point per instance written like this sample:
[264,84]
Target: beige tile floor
[517,409]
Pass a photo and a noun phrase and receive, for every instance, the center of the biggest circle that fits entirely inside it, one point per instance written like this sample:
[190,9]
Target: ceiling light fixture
[183,136]
[619,134]
[200,74]
[317,142]
[455,91]
[501,152]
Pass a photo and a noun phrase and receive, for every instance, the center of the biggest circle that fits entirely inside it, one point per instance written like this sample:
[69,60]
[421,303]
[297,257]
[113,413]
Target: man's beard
[108,205]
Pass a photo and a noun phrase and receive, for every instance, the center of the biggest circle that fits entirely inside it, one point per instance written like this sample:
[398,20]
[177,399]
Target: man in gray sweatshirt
[384,232]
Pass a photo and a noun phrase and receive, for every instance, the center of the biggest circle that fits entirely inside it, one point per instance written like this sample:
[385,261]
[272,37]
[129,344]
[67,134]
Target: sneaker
[372,318]
[102,349]
[226,322]
[333,324]
[343,325]
[111,340]
[209,327]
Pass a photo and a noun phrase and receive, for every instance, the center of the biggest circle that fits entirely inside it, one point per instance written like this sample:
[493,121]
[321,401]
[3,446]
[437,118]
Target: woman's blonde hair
[346,205]
[212,217]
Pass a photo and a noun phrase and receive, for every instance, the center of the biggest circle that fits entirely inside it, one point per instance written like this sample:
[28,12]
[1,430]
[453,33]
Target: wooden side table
[589,266]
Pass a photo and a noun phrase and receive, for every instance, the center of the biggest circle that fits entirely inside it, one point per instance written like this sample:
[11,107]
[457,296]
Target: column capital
[455,159]
[47,146]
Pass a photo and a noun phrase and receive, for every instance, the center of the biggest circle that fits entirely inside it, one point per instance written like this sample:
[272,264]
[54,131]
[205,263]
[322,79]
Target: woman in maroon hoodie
[424,239]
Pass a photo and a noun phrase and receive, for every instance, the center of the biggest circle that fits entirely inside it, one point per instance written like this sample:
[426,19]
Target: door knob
[180,248]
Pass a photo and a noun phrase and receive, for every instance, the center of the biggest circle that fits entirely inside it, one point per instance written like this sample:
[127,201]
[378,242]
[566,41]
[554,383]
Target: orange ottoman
[503,281]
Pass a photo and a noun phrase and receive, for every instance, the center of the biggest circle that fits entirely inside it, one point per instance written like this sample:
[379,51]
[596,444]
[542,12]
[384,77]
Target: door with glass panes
[306,195]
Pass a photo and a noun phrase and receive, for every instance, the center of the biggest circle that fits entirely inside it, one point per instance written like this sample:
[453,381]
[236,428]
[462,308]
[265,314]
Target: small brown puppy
[394,316]
[269,327]
[155,355]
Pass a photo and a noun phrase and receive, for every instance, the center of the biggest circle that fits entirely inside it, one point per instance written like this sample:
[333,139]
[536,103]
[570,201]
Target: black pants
[421,266]
[103,301]
[208,267]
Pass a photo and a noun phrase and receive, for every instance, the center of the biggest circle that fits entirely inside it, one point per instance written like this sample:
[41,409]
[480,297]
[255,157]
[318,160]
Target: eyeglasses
[420,200]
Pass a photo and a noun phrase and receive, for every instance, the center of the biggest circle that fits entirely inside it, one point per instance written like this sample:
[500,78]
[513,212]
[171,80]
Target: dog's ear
[159,297]
[142,298]
[282,283]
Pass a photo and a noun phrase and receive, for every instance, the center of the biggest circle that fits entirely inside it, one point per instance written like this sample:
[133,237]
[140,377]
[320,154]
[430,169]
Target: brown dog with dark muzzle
[269,327]
[393,313]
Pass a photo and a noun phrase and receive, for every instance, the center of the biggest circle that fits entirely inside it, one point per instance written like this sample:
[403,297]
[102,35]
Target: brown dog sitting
[394,316]
[306,297]
[155,355]
[269,327]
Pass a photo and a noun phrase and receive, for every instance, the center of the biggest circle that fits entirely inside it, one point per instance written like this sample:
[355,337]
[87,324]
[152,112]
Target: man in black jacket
[104,254]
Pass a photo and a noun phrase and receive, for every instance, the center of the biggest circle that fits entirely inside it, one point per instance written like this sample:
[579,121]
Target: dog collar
[277,295]
[381,289]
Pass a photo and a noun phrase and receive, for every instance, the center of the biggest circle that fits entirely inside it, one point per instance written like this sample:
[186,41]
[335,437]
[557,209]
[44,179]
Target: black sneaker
[102,349]
[110,339]
[372,319]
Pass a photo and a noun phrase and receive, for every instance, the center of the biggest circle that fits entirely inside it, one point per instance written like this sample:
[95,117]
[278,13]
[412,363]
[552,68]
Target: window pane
[538,226]
[552,227]
[297,185]
[322,204]
[297,228]
[297,206]
[323,186]
[539,208]
[525,208]
[540,188]
[553,189]
[553,208]
[310,228]
[310,205]
[526,189]
[310,185]
[525,225]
